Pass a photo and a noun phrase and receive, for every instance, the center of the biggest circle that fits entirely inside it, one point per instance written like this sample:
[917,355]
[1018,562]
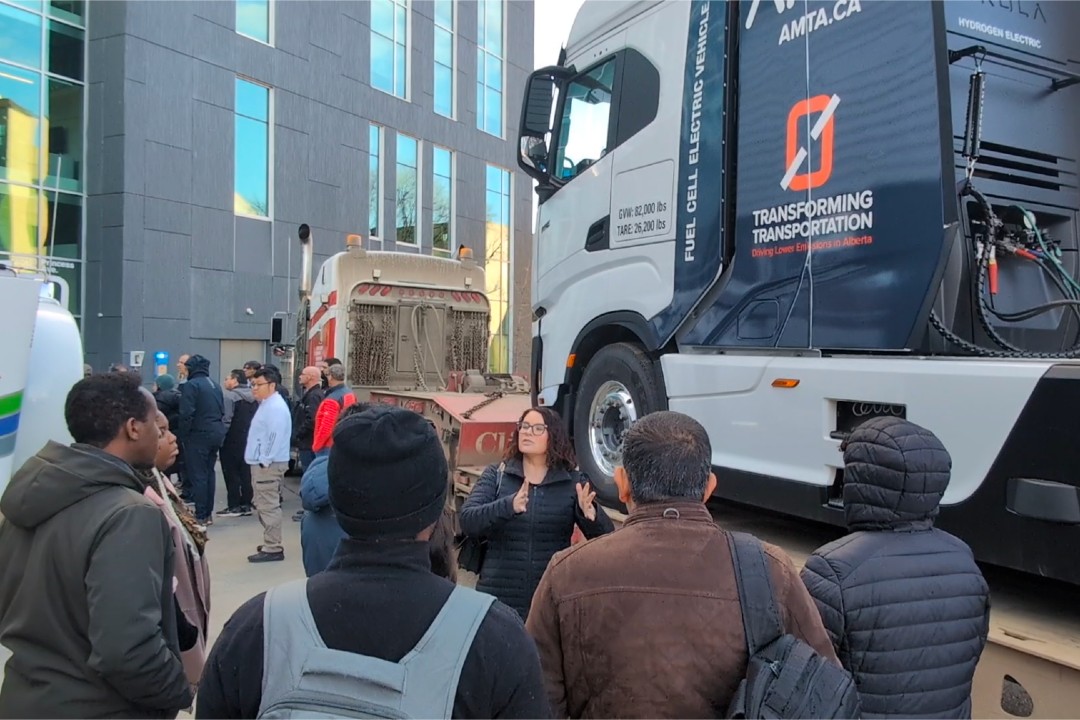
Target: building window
[20,114]
[375,136]
[72,11]
[64,136]
[497,239]
[42,128]
[444,57]
[489,66]
[407,190]
[253,19]
[22,36]
[252,188]
[390,46]
[442,202]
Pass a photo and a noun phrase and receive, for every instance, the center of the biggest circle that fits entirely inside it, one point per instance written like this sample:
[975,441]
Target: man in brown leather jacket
[645,622]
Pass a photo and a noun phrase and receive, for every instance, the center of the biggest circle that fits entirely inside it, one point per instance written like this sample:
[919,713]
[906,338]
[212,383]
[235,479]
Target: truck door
[577,218]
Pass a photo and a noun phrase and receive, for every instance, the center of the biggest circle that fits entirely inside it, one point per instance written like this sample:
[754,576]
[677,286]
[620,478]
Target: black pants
[237,477]
[199,462]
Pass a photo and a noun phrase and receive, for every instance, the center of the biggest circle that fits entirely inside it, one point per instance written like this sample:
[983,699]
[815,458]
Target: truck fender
[612,327]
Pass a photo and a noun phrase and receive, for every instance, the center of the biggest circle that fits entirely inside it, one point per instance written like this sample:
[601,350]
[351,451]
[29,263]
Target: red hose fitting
[993,271]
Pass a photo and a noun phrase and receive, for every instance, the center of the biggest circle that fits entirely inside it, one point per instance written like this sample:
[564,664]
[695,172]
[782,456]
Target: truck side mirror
[540,93]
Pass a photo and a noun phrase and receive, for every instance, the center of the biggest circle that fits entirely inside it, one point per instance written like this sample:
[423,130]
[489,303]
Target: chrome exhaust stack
[307,254]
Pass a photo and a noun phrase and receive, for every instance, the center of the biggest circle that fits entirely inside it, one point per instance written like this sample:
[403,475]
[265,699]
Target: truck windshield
[583,130]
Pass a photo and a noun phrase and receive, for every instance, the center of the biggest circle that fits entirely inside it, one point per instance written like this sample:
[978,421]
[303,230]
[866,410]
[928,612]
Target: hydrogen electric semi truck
[785,218]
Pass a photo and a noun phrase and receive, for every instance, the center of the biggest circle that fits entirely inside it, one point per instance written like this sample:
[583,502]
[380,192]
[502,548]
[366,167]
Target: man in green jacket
[86,569]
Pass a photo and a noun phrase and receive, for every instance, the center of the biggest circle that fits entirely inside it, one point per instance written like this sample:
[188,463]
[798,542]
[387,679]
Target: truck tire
[621,384]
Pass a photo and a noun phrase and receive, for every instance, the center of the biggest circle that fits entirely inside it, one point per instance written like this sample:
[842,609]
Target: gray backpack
[785,677]
[302,678]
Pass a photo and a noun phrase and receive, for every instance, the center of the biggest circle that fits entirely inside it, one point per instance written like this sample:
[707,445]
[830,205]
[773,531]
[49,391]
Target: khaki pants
[266,484]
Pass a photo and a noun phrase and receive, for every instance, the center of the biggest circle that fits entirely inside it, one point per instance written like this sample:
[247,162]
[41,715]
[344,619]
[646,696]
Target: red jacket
[337,399]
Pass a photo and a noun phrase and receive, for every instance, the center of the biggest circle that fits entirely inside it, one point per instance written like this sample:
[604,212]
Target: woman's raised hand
[585,498]
[521,498]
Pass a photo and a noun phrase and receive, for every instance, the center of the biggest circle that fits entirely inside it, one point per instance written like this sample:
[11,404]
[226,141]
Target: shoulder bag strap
[761,619]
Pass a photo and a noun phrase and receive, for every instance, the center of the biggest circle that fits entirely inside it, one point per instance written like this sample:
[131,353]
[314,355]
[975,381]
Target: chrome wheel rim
[611,414]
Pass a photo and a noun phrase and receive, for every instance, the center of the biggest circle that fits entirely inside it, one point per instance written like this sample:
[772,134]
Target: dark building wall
[169,264]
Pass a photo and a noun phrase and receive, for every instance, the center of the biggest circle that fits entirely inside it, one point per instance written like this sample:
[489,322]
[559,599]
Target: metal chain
[371,348]
[421,383]
[488,399]
[468,342]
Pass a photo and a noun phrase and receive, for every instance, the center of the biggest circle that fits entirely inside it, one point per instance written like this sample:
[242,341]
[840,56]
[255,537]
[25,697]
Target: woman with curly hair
[525,509]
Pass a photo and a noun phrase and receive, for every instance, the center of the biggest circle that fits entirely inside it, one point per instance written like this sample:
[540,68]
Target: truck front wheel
[620,385]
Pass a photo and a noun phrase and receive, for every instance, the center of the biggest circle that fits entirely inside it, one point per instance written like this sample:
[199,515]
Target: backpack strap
[434,665]
[289,631]
[761,619]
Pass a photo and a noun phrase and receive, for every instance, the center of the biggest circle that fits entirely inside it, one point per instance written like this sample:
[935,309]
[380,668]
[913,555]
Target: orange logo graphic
[821,132]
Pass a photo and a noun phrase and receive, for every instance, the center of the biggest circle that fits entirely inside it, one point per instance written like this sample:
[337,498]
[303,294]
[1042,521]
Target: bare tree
[406,206]
[440,215]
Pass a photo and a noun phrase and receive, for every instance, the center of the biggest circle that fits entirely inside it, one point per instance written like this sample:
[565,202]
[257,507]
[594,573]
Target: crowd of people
[104,601]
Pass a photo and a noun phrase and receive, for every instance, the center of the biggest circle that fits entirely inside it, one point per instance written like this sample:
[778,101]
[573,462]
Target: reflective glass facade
[375,141]
[389,46]
[489,66]
[444,57]
[442,201]
[42,163]
[253,19]
[252,167]
[407,195]
[497,265]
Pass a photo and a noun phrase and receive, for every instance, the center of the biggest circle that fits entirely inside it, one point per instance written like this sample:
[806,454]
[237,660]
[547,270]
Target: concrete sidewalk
[233,580]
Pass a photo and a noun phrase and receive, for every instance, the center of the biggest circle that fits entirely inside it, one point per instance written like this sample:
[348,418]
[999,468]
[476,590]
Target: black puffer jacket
[905,604]
[202,406]
[520,546]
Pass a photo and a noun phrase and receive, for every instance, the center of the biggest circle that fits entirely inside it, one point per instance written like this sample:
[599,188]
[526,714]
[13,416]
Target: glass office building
[42,163]
[161,154]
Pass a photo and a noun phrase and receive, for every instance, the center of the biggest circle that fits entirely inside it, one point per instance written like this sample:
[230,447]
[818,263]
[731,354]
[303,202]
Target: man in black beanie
[388,484]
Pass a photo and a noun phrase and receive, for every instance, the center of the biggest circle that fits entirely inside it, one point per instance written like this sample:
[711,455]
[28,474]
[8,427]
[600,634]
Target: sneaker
[263,556]
[205,522]
[245,510]
[231,512]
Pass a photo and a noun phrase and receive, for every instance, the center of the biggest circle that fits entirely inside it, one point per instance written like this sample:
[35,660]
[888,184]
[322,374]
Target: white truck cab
[787,218]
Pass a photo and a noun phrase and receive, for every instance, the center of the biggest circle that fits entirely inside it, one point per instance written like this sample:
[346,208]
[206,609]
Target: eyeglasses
[259,384]
[528,429]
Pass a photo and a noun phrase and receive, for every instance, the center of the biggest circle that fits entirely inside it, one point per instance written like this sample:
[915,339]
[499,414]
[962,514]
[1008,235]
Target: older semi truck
[785,218]
[413,330]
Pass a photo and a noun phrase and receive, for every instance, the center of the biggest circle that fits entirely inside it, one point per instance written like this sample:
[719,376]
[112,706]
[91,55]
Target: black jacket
[378,599]
[86,597]
[904,603]
[304,418]
[202,406]
[168,402]
[520,546]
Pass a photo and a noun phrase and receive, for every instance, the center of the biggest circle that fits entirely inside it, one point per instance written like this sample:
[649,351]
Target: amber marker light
[785,383]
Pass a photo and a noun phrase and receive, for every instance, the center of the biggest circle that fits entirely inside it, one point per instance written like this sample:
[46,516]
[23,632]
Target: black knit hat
[387,473]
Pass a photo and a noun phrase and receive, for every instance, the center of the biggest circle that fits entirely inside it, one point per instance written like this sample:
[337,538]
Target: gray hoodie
[86,598]
[237,394]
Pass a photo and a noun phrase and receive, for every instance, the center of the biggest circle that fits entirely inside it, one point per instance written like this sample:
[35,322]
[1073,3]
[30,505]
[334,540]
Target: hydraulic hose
[1069,288]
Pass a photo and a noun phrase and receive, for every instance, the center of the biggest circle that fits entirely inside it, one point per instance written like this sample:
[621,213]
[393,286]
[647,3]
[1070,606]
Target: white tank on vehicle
[43,360]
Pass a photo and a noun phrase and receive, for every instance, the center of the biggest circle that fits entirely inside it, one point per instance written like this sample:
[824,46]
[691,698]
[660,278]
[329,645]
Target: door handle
[597,238]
